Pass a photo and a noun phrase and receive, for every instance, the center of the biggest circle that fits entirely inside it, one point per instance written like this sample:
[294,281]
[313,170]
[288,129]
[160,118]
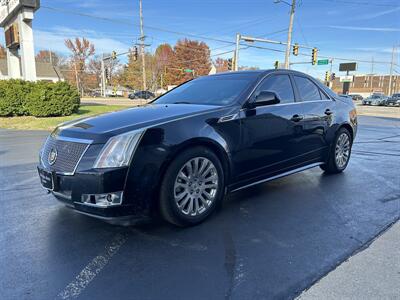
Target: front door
[270,135]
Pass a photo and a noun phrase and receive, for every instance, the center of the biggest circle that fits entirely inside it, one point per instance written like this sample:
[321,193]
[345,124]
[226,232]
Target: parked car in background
[345,96]
[142,95]
[394,100]
[376,99]
[181,154]
[356,97]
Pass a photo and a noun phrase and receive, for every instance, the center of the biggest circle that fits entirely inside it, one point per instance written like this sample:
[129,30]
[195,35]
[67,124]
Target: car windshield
[212,90]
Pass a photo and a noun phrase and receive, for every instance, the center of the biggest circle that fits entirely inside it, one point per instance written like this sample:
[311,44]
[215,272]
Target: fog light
[103,200]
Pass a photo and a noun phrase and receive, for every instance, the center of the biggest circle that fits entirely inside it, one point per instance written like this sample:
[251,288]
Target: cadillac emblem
[52,156]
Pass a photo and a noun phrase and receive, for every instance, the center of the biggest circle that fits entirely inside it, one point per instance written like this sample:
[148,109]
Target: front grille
[68,155]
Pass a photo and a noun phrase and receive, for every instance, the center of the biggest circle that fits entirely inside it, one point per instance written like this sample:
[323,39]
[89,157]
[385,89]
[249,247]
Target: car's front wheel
[339,154]
[192,187]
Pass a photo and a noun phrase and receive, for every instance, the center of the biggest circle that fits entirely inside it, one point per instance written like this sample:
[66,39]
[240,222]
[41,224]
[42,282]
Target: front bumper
[69,190]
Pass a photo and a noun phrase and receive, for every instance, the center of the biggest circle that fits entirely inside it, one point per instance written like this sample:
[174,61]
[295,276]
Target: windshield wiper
[182,102]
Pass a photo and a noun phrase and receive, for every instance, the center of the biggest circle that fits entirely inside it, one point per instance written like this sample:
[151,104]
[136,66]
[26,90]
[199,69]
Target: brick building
[367,84]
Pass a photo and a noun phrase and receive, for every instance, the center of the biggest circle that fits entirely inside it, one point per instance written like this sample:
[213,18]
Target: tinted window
[307,89]
[324,96]
[281,85]
[212,90]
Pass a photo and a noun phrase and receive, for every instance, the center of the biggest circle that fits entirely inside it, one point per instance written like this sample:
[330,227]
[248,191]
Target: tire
[339,153]
[180,188]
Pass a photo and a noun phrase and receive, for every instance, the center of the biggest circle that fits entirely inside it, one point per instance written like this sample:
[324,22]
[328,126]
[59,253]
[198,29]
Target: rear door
[318,111]
[271,134]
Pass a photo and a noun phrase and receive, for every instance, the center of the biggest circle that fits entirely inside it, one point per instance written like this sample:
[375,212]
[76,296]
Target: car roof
[259,72]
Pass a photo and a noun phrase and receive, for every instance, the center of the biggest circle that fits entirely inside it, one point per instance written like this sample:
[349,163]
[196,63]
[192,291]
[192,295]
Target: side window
[307,89]
[281,85]
[324,96]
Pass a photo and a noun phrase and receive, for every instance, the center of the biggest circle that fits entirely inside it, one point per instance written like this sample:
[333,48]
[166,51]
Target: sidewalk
[371,274]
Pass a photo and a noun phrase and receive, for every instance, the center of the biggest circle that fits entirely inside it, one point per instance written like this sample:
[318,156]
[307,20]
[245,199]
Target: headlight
[117,152]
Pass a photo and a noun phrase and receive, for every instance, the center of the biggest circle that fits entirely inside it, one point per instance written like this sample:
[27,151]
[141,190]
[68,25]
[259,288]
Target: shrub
[52,99]
[40,99]
[13,95]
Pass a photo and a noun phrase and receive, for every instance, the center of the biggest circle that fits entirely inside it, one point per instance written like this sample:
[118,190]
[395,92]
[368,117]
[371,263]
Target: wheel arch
[214,146]
[349,128]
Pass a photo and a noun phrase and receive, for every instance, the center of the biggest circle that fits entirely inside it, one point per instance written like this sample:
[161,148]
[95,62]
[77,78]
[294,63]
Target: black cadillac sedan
[183,152]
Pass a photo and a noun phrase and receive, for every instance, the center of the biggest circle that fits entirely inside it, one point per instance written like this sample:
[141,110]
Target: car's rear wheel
[192,187]
[340,152]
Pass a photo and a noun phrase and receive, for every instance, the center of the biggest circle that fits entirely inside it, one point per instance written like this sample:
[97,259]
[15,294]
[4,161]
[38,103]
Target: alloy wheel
[342,150]
[196,186]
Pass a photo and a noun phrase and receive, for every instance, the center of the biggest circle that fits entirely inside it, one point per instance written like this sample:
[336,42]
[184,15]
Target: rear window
[307,89]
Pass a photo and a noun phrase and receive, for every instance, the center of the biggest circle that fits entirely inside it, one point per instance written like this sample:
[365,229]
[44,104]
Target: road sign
[347,78]
[348,66]
[188,70]
[323,62]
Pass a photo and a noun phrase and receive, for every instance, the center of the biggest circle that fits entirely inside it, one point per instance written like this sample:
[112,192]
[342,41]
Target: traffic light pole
[251,39]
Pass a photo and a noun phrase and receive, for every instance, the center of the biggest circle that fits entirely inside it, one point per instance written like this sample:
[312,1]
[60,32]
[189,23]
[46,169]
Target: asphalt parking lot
[271,241]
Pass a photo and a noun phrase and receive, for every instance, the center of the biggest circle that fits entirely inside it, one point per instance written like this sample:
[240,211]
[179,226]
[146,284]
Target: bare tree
[81,50]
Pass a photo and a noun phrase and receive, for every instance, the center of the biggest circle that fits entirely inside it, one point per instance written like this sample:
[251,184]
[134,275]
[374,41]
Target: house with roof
[45,71]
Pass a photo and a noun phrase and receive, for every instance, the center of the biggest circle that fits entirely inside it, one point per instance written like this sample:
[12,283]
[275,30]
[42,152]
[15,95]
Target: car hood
[99,128]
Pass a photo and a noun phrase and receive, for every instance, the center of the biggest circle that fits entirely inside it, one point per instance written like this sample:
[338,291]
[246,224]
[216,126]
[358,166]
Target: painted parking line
[82,280]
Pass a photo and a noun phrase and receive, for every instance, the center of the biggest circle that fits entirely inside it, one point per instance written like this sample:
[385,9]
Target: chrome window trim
[284,104]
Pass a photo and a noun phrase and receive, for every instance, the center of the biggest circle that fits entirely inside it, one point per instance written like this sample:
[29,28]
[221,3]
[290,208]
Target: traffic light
[327,76]
[333,76]
[314,56]
[135,53]
[107,74]
[113,55]
[276,64]
[230,63]
[296,49]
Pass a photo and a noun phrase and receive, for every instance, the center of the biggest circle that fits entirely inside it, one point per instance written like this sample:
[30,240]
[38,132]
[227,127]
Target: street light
[289,40]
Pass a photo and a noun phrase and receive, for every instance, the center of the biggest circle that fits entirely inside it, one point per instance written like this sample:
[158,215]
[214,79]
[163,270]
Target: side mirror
[266,98]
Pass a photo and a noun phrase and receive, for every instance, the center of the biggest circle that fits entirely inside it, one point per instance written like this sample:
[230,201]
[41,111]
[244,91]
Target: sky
[353,29]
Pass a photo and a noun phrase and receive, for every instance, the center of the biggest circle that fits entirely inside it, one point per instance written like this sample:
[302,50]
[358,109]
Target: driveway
[269,241]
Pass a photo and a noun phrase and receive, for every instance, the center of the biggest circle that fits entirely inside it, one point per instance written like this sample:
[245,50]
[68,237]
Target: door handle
[328,112]
[297,118]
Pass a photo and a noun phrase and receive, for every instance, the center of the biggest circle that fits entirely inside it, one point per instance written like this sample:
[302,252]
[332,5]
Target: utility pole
[391,71]
[236,61]
[289,39]
[103,78]
[372,74]
[142,46]
[330,85]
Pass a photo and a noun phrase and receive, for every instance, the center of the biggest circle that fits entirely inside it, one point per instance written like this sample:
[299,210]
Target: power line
[356,3]
[205,37]
[66,11]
